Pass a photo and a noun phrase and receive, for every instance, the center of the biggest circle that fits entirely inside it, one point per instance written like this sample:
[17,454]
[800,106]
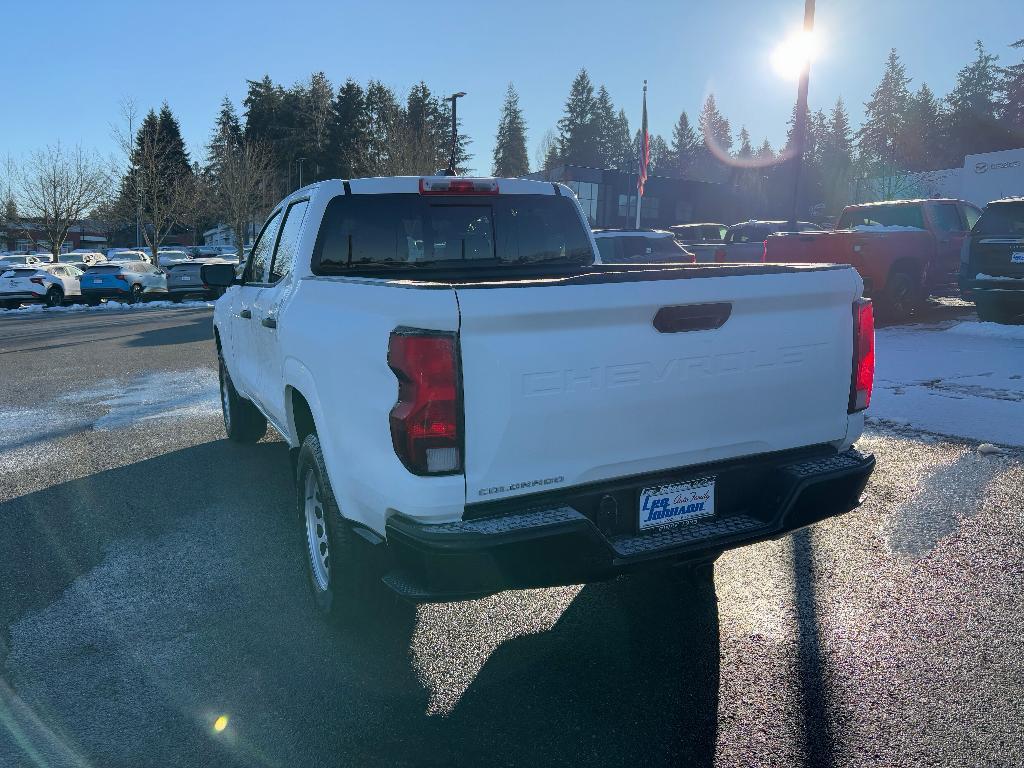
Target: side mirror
[218,275]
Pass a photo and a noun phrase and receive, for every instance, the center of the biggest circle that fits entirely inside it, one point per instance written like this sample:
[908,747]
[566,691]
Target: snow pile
[983,276]
[884,228]
[963,380]
[110,306]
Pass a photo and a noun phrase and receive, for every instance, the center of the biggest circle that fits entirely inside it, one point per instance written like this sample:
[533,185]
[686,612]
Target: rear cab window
[363,234]
[1001,220]
[882,216]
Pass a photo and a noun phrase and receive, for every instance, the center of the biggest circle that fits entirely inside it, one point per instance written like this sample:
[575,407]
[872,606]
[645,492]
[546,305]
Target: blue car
[130,281]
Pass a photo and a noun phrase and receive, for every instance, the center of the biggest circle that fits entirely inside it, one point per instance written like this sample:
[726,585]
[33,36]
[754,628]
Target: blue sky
[69,64]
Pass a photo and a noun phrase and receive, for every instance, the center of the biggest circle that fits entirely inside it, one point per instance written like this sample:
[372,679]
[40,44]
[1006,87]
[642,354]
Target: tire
[176,298]
[54,297]
[92,302]
[243,422]
[135,294]
[901,296]
[343,572]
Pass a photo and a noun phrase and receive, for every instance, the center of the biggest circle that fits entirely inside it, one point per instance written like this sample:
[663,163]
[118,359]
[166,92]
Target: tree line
[313,130]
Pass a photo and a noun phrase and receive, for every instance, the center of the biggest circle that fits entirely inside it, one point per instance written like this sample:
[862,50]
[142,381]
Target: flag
[645,149]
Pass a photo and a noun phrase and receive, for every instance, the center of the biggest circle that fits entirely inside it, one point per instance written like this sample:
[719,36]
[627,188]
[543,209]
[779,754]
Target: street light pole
[800,124]
[300,161]
[450,170]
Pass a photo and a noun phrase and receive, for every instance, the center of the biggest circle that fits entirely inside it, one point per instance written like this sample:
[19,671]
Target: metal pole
[300,161]
[450,170]
[800,124]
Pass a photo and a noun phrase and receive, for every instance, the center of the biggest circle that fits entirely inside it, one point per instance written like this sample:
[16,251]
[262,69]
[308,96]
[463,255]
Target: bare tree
[57,187]
[242,187]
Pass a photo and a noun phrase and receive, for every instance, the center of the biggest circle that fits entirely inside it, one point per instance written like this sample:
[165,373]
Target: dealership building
[982,178]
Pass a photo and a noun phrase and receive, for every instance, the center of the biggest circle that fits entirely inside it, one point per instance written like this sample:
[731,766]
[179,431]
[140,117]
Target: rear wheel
[135,294]
[92,301]
[344,572]
[54,297]
[243,422]
[176,298]
[901,295]
[993,311]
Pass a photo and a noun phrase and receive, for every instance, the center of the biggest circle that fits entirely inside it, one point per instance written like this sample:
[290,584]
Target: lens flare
[795,53]
[220,723]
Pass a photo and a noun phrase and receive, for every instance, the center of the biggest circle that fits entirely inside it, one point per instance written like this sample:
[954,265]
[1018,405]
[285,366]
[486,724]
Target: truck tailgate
[566,384]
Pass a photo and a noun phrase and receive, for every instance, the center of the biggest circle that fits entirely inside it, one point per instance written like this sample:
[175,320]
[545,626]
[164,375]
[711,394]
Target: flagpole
[641,165]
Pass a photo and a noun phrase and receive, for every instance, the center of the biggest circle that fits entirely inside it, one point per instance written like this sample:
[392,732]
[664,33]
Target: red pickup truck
[904,250]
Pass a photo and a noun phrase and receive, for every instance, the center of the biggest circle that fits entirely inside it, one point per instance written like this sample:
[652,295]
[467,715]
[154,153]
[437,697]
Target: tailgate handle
[693,317]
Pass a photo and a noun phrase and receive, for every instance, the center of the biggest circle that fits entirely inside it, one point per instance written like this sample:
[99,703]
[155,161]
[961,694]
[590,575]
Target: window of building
[648,209]
[586,192]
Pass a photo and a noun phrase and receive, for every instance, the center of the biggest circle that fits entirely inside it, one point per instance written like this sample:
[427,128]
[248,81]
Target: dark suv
[992,262]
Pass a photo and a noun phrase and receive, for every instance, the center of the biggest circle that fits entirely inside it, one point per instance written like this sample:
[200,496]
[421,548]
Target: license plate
[185,279]
[1017,257]
[677,502]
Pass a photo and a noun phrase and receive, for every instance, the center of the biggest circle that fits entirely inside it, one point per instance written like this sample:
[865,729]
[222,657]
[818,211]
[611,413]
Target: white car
[130,281]
[51,284]
[82,257]
[466,386]
[167,257]
[126,254]
[24,260]
[639,246]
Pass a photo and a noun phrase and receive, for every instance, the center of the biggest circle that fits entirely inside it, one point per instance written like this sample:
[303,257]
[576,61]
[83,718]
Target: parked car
[130,281]
[24,259]
[992,262]
[50,284]
[82,257]
[465,386]
[745,242]
[185,279]
[127,254]
[647,246]
[167,257]
[688,234]
[904,250]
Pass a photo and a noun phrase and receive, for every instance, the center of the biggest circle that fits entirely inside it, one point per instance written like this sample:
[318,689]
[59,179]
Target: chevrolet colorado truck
[904,250]
[468,390]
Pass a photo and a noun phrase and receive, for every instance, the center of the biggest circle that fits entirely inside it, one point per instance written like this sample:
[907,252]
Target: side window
[259,260]
[946,217]
[284,255]
[971,214]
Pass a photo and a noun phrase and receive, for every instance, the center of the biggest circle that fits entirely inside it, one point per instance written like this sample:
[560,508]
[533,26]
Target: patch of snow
[109,306]
[884,228]
[964,381]
[983,276]
[987,448]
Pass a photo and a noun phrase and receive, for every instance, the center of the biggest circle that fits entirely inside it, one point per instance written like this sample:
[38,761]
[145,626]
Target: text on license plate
[1017,257]
[185,278]
[676,502]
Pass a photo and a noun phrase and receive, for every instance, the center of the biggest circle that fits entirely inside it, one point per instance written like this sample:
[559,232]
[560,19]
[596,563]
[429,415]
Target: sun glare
[795,52]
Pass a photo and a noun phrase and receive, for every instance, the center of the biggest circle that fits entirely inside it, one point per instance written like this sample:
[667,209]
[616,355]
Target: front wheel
[243,422]
[135,294]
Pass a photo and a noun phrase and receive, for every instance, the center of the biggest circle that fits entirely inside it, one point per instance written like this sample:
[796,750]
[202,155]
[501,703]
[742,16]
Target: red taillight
[36,280]
[120,277]
[863,355]
[764,251]
[425,422]
[719,255]
[450,185]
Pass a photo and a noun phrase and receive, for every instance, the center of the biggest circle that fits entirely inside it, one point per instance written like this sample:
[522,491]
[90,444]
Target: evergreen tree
[884,116]
[765,154]
[920,143]
[383,114]
[462,141]
[1011,103]
[686,146]
[426,135]
[623,158]
[579,139]
[836,158]
[312,125]
[266,125]
[176,159]
[606,128]
[348,132]
[510,144]
[661,156]
[714,127]
[225,139]
[745,152]
[971,121]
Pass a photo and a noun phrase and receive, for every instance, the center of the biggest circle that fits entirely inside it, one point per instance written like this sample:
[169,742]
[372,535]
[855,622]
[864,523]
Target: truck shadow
[164,592]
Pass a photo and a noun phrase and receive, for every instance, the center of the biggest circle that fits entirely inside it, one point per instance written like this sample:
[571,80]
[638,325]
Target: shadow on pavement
[139,603]
[197,329]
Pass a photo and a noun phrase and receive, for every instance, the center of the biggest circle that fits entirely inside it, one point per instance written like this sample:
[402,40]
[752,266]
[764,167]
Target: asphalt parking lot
[153,609]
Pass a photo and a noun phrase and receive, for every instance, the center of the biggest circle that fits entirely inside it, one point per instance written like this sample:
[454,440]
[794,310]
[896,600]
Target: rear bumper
[105,293]
[560,543]
[23,296]
[1008,289]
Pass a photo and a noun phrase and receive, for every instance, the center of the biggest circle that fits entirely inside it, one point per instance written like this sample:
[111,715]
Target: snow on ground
[963,379]
[109,306]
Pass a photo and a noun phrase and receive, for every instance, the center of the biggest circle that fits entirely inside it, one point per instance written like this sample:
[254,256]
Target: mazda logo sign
[980,167]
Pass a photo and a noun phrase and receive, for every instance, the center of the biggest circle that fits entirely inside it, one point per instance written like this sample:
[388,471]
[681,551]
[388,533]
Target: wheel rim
[136,292]
[224,399]
[316,533]
[53,299]
[901,295]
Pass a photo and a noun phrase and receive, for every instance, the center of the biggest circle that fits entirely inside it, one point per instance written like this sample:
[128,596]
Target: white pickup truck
[466,386]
